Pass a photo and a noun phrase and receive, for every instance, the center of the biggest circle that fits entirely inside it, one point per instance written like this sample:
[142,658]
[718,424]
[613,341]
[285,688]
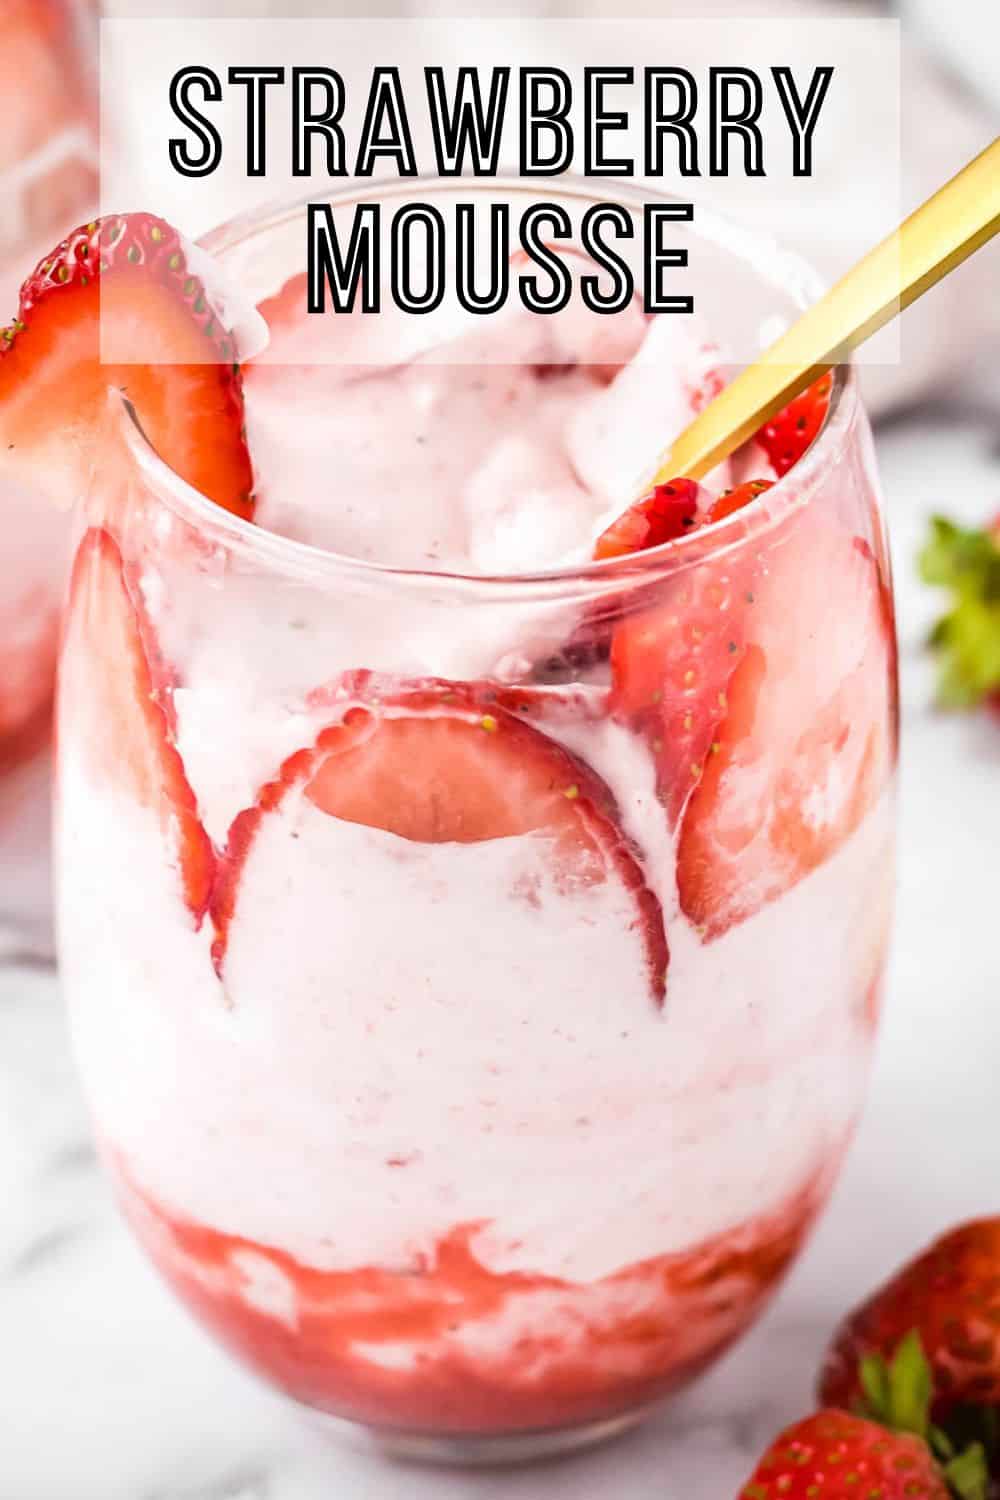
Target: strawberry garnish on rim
[439,764]
[121,286]
[120,723]
[787,436]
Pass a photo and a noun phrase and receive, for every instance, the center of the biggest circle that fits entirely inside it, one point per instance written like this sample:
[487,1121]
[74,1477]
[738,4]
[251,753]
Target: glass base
[476,1450]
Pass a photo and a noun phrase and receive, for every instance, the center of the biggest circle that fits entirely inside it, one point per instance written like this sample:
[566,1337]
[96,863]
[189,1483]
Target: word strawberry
[120,724]
[115,304]
[787,436]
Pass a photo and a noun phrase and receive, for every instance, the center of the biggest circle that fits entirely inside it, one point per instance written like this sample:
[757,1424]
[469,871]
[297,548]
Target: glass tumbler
[474,978]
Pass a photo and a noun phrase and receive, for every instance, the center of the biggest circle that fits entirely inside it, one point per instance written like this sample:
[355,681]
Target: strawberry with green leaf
[966,639]
[834,1455]
[910,1389]
[887,1448]
[926,1346]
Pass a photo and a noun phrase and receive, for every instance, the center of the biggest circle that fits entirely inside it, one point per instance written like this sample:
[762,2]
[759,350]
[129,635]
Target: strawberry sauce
[447,1345]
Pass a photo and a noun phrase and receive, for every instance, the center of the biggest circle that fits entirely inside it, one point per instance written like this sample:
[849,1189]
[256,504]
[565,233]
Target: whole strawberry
[886,1448]
[835,1456]
[949,1298]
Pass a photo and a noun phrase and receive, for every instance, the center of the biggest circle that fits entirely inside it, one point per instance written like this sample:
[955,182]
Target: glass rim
[791,492]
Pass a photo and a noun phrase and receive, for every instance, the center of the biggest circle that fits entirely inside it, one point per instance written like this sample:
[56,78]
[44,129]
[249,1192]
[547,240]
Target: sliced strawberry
[666,513]
[436,764]
[671,663]
[120,290]
[780,756]
[807,742]
[111,706]
[671,666]
[787,436]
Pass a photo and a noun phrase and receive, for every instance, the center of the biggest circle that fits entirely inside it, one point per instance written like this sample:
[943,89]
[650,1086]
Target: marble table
[108,1392]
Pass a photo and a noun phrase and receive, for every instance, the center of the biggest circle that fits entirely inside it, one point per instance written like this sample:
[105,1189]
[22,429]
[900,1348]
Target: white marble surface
[108,1392]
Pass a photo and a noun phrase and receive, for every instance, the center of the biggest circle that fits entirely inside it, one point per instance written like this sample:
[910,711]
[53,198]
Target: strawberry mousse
[471,945]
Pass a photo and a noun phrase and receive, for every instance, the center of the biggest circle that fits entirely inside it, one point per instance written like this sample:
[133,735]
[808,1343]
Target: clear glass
[48,181]
[483,1106]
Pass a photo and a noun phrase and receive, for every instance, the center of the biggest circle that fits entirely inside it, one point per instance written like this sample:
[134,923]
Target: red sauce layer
[447,1345]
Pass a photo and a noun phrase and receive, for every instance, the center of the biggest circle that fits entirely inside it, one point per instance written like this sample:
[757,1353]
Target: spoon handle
[936,237]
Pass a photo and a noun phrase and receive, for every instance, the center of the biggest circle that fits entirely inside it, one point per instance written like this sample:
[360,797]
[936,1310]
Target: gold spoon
[938,236]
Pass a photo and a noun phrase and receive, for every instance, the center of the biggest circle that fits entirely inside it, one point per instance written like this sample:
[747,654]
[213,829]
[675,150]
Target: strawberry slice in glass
[807,741]
[441,766]
[671,664]
[123,284]
[122,726]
